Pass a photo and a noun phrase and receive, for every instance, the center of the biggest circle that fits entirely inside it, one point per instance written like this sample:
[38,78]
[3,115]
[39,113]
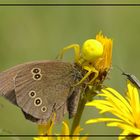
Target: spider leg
[96,73]
[76,48]
[90,70]
[86,75]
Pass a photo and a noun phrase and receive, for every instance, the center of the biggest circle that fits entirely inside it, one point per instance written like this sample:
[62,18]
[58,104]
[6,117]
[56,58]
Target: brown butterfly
[42,88]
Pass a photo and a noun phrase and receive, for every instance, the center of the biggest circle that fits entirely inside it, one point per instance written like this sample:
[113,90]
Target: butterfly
[42,88]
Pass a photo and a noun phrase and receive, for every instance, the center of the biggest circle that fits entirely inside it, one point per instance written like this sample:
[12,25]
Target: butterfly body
[42,88]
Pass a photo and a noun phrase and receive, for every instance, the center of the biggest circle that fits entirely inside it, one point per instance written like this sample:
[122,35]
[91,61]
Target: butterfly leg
[90,70]
[76,48]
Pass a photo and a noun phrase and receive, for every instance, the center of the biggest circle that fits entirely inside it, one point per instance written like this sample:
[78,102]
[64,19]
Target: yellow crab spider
[91,50]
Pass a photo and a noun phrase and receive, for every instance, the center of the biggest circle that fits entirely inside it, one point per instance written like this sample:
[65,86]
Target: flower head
[96,58]
[126,109]
[103,63]
[98,55]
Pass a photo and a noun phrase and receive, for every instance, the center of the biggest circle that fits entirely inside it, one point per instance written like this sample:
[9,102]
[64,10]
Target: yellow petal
[93,103]
[133,96]
[131,129]
[58,138]
[41,138]
[138,138]
[119,104]
[102,120]
[65,131]
[77,130]
[123,135]
[114,108]
[122,102]
[35,138]
[84,138]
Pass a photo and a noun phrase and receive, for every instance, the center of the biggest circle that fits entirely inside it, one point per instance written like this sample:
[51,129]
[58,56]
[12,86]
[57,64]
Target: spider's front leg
[90,70]
[96,73]
[76,48]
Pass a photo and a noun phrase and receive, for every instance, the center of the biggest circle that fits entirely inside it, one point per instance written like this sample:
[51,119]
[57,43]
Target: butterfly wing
[7,83]
[43,88]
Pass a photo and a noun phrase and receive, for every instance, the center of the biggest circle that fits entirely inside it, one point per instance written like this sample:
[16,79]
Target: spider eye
[92,49]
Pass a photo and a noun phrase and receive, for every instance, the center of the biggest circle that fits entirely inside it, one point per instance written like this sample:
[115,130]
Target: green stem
[78,115]
[88,95]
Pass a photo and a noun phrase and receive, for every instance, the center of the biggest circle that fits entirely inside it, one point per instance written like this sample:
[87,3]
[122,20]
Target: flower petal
[131,129]
[102,120]
[123,135]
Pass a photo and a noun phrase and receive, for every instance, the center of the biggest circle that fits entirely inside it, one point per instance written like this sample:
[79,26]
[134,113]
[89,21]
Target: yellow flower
[103,63]
[65,133]
[95,57]
[126,109]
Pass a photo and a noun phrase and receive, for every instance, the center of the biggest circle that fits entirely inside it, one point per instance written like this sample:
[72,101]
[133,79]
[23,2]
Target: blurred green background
[38,33]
